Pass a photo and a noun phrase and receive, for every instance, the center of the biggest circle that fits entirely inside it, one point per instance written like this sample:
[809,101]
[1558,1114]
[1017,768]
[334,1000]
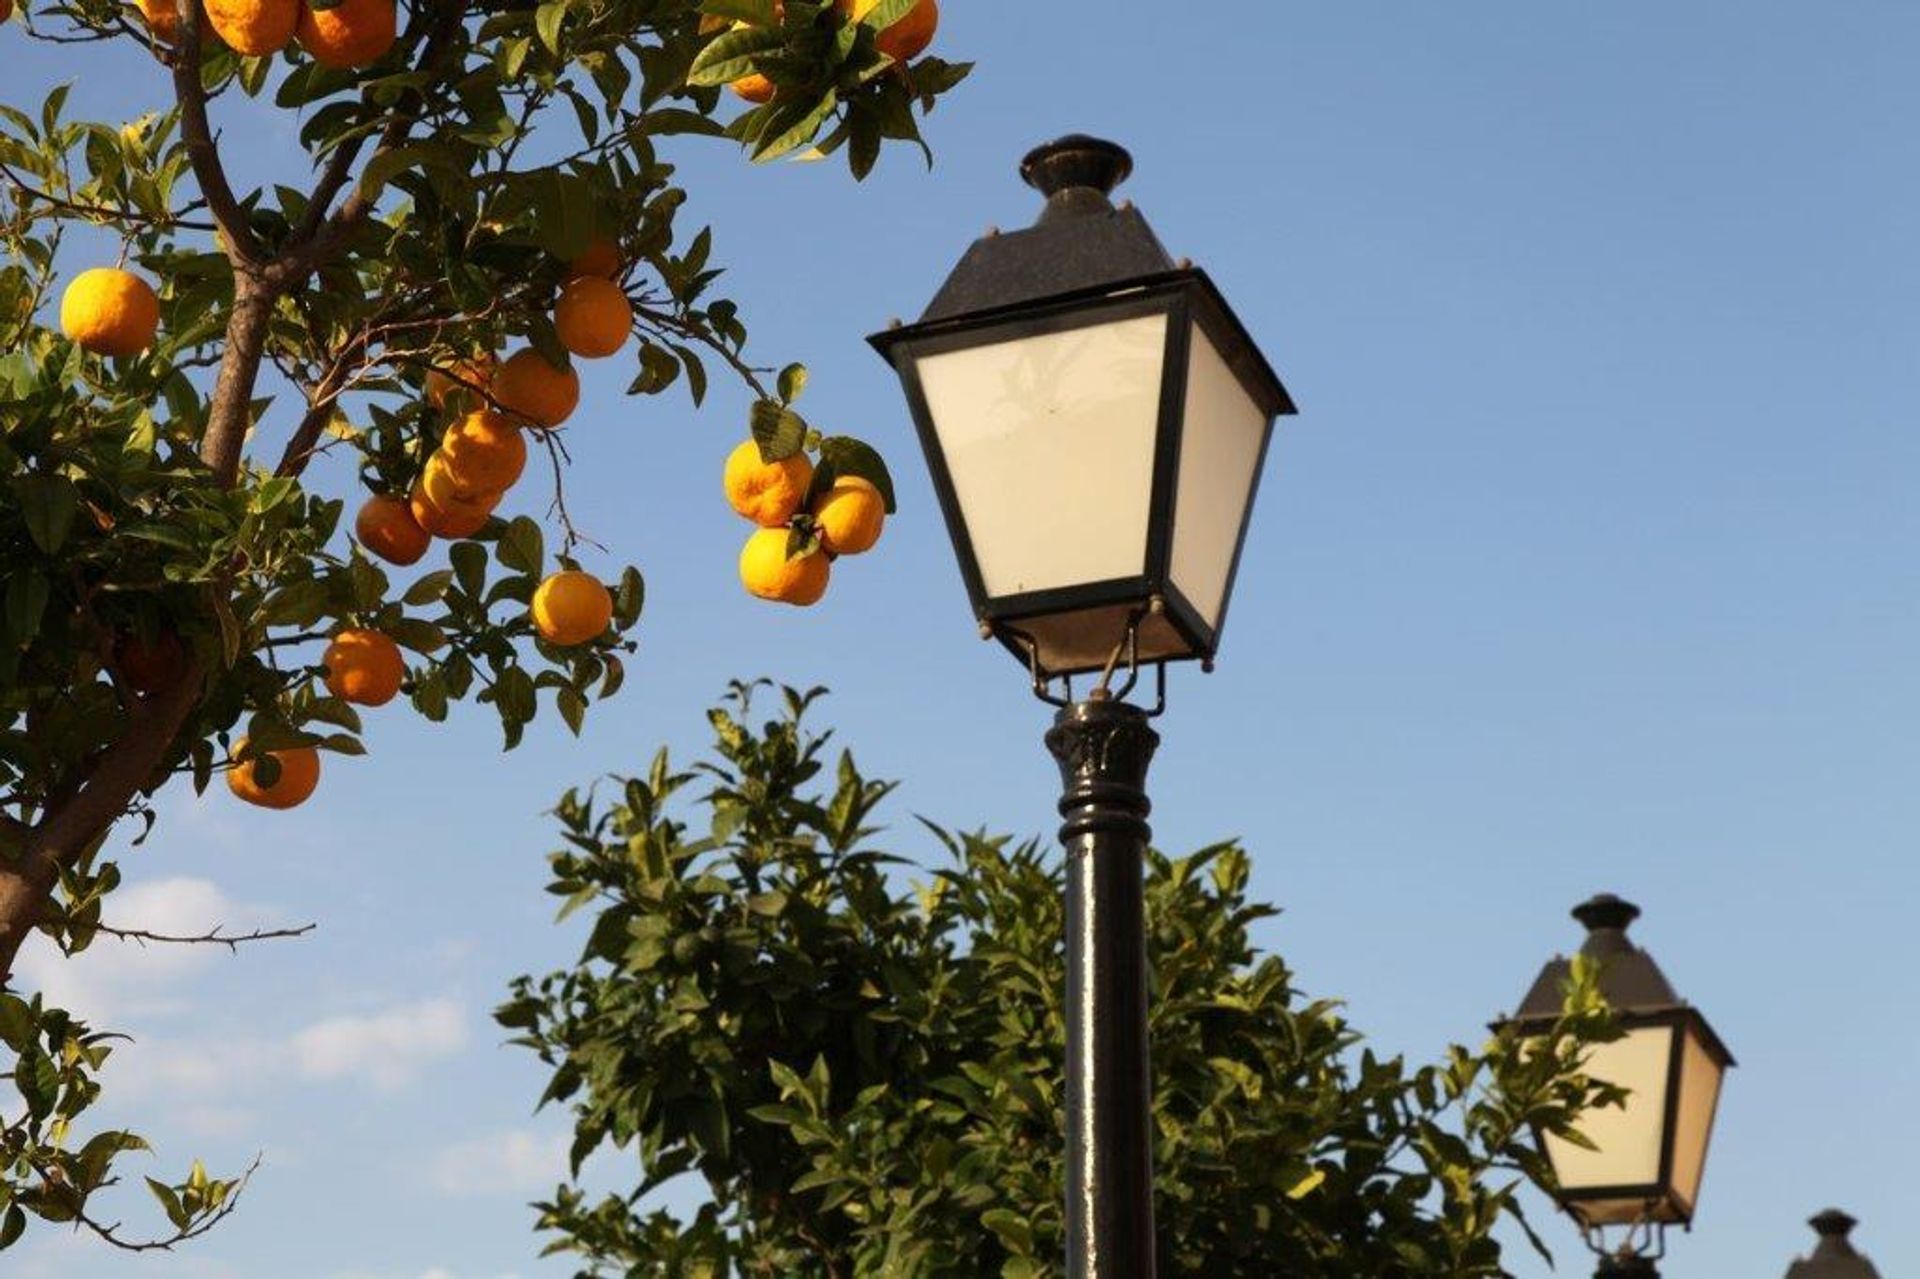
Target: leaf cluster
[866,1074]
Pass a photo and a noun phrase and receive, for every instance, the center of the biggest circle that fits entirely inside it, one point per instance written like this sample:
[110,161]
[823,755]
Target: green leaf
[429,588]
[169,1203]
[522,547]
[1012,1228]
[673,120]
[777,429]
[421,636]
[760,13]
[27,592]
[47,506]
[546,23]
[469,561]
[12,1226]
[885,13]
[731,55]
[658,369]
[793,380]
[793,125]
[573,708]
[629,599]
[844,455]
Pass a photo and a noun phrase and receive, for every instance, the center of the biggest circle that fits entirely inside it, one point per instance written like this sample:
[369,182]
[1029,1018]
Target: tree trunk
[62,834]
[227,414]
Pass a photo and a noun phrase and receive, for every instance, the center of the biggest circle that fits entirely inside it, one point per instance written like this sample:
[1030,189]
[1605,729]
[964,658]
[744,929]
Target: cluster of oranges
[844,518]
[481,454]
[904,41]
[353,33]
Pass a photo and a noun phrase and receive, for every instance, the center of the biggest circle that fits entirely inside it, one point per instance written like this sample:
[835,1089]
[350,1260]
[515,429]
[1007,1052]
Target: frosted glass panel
[1699,1094]
[1218,454]
[1049,441]
[1629,1138]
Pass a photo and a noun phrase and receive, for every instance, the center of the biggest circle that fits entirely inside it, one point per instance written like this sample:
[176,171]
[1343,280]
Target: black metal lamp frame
[1088,263]
[1186,296]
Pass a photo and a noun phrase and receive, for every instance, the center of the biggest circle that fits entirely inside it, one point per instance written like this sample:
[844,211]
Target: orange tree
[867,1077]
[486,204]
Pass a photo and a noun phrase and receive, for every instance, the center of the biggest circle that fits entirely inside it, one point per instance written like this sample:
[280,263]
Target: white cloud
[115,979]
[205,1079]
[388,1049]
[515,1162]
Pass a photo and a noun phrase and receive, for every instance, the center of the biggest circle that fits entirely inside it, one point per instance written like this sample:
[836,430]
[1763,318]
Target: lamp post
[1641,1169]
[1834,1256]
[1094,418]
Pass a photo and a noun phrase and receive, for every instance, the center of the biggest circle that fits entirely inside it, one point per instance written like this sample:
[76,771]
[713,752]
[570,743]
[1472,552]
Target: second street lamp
[1095,418]
[1641,1166]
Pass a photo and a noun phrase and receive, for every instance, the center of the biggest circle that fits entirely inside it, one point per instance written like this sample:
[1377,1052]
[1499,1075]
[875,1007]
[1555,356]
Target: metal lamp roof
[1629,979]
[1081,240]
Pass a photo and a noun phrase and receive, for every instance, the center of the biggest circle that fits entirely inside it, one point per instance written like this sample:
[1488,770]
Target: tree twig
[109,1233]
[212,937]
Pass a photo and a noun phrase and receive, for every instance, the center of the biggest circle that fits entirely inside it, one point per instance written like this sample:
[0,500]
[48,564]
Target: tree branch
[69,828]
[242,246]
[101,212]
[110,1235]
[212,937]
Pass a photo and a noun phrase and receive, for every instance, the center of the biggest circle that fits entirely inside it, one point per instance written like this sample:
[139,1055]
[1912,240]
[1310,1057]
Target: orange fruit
[351,34]
[766,571]
[849,515]
[601,257]
[364,667]
[162,19]
[768,493]
[532,388]
[150,666]
[299,774]
[386,527]
[255,28]
[446,491]
[453,521]
[753,86]
[110,312]
[484,452]
[571,607]
[593,317]
[906,39]
[468,377]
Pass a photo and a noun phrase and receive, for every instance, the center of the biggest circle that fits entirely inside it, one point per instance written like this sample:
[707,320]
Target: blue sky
[1589,564]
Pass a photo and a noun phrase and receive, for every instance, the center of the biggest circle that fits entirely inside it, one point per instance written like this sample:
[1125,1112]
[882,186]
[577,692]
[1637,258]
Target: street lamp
[1834,1256]
[1094,417]
[1642,1168]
